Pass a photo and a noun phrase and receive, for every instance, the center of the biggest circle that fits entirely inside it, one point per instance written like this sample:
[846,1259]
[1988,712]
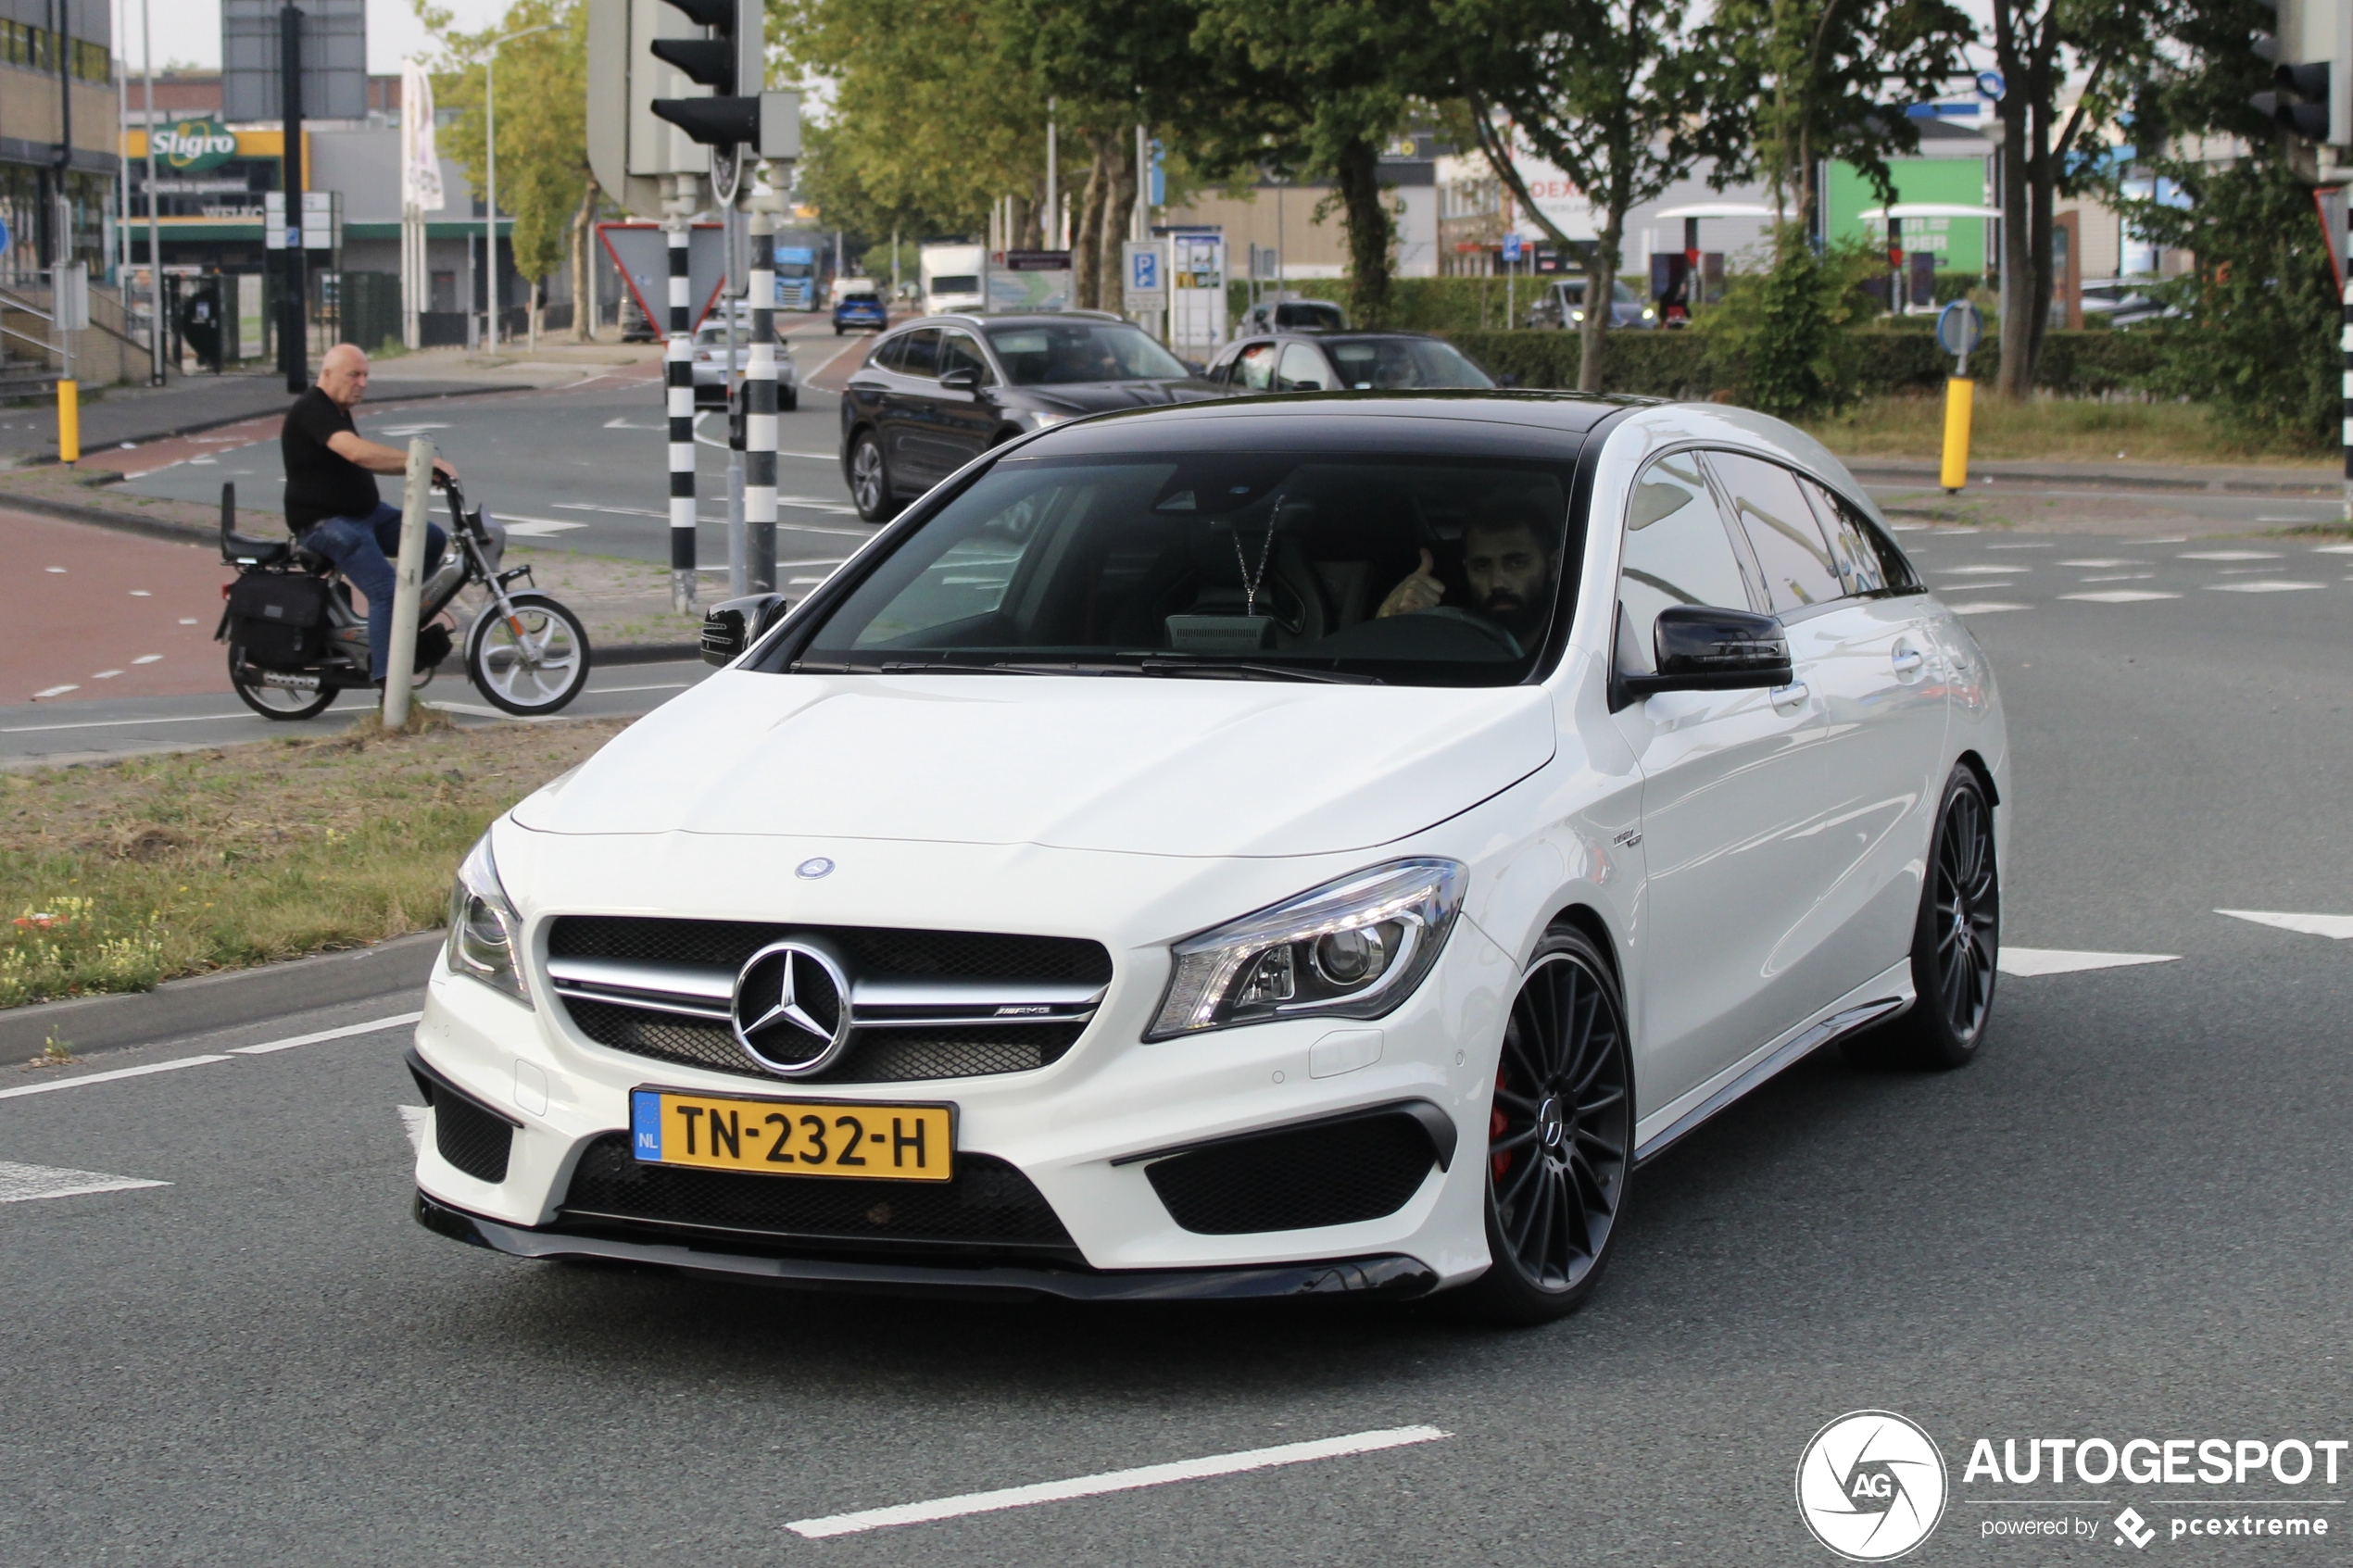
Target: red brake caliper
[1496,1125]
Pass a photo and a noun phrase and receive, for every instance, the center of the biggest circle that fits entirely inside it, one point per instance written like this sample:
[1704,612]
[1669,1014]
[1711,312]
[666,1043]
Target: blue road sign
[1960,328]
[1143,271]
[1512,247]
[1990,84]
[3,236]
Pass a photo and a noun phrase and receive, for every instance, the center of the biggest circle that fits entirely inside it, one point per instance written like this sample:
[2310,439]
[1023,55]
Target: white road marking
[2103,560]
[2262,585]
[115,723]
[2024,962]
[23,1184]
[412,1123]
[621,421]
[187,621]
[2022,546]
[148,658]
[344,1033]
[1983,607]
[57,570]
[1981,571]
[1114,1481]
[2228,555]
[2333,549]
[2338,926]
[106,674]
[410,429]
[535,527]
[2119,577]
[141,593]
[616,691]
[171,1066]
[53,691]
[2119,596]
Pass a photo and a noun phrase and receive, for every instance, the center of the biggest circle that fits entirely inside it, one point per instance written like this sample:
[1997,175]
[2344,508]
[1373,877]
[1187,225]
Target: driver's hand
[444,471]
[1421,591]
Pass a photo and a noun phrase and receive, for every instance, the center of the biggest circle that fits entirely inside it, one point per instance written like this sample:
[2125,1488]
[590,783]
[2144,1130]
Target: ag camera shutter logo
[1871,1486]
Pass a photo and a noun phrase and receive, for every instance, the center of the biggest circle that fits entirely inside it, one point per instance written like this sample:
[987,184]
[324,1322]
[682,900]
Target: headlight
[1351,949]
[484,928]
[1648,312]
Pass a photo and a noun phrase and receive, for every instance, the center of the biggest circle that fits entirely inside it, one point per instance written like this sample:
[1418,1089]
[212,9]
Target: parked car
[1343,361]
[1562,304]
[710,364]
[864,310]
[1291,313]
[2124,302]
[1250,849]
[936,393]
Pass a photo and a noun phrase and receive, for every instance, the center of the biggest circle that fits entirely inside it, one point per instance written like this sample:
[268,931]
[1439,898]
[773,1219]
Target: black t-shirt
[320,484]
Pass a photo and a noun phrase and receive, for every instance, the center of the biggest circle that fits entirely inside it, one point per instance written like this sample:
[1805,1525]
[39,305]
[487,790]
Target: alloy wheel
[1967,914]
[866,479]
[1562,1127]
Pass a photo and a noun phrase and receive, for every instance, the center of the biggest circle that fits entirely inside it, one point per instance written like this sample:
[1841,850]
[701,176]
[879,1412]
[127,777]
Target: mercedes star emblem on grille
[792,1009]
[813,867]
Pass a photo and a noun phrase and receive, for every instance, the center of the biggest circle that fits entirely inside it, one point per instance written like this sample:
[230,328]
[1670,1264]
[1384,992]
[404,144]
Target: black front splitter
[1391,1276]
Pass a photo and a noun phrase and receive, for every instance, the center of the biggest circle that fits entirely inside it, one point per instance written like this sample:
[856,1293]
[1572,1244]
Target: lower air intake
[989,1206]
[1297,1178]
[470,1137]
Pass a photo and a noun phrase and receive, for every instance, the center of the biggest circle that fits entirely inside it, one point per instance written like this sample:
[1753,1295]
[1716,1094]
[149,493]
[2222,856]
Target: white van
[951,278]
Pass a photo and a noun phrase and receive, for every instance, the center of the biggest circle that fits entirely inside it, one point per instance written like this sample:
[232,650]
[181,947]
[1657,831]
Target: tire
[1955,942]
[542,678]
[869,480]
[275,702]
[1560,1136]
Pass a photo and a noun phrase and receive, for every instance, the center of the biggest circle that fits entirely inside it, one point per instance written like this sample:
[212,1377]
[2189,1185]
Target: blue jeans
[362,549]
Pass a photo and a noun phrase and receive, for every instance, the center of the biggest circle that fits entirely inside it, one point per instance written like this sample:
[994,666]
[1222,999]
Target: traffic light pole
[760,391]
[680,378]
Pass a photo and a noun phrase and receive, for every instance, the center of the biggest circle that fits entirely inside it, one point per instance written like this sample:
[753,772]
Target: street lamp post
[490,175]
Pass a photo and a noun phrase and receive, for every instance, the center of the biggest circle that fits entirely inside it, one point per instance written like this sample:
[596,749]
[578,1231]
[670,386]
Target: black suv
[938,392]
[1319,361]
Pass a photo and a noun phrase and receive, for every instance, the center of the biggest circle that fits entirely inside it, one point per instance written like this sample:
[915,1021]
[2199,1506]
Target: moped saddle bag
[279,619]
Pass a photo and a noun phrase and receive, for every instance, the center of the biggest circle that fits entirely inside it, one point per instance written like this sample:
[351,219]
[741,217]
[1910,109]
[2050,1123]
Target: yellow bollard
[1958,391]
[68,422]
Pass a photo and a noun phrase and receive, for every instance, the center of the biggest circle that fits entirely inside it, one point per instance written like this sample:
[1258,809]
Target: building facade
[58,108]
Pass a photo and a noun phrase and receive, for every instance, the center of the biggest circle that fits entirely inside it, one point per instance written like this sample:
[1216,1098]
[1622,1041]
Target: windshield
[1065,352]
[957,282]
[1309,314]
[1391,363]
[1408,570]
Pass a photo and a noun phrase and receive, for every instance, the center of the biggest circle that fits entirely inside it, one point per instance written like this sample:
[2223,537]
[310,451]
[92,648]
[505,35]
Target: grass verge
[2057,429]
[114,876]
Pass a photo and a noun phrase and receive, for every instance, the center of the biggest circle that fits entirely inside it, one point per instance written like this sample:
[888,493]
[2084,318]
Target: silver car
[711,366]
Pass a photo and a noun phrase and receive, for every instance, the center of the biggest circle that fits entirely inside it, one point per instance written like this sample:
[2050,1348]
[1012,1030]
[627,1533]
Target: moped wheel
[277,702]
[531,663]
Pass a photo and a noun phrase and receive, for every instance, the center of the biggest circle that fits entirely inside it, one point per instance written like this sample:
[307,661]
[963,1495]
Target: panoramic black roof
[1503,422]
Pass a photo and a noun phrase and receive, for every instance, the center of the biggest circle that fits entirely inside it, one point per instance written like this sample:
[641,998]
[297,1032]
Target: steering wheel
[1487,628]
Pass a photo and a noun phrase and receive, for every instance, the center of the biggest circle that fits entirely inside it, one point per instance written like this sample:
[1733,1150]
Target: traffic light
[648,63]
[732,56]
[2309,50]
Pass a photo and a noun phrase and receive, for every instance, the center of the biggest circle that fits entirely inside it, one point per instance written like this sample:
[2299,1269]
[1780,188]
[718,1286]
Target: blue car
[860,310]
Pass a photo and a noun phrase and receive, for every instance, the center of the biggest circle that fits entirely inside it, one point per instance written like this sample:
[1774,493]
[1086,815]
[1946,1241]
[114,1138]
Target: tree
[1611,94]
[2035,42]
[543,146]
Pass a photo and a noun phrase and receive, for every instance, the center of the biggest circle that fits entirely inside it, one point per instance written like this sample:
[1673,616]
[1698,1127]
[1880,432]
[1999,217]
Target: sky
[188,32]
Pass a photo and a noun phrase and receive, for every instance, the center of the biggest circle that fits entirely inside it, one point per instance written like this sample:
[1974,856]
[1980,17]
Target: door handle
[1908,660]
[1788,696]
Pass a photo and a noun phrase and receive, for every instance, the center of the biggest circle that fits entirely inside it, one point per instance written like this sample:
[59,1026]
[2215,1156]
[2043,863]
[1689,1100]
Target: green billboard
[1959,243]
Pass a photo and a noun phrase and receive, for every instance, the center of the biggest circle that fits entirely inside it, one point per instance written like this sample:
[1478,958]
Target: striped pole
[760,399]
[680,377]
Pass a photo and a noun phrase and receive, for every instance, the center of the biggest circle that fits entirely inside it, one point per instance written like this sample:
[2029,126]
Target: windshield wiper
[913,667]
[1248,670]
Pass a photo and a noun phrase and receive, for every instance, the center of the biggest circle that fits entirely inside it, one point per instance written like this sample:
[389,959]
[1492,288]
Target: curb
[216,1001]
[124,523]
[1927,474]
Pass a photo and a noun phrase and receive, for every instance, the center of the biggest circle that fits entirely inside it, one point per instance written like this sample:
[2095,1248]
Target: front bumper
[1083,1132]
[1394,1278]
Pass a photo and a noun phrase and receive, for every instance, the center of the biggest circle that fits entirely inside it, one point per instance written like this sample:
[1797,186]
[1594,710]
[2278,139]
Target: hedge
[1886,360]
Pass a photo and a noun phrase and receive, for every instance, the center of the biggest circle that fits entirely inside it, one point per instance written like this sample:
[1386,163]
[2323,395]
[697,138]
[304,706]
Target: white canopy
[1717,209]
[1927,210]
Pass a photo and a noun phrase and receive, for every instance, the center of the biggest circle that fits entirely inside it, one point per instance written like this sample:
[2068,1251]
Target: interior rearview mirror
[964,378]
[732,625]
[1701,648]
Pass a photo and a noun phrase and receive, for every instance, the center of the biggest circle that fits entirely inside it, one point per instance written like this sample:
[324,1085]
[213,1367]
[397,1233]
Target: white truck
[951,278]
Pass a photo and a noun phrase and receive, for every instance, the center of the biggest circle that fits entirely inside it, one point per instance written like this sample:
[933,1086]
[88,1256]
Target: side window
[921,357]
[959,352]
[1302,370]
[1867,559]
[1677,552]
[889,353]
[1798,567]
[1255,372]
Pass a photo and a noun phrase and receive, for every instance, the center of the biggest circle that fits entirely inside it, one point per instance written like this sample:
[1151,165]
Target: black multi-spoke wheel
[1560,1135]
[1955,941]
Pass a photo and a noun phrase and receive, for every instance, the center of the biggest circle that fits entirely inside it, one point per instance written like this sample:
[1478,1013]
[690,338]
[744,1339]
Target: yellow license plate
[781,1138]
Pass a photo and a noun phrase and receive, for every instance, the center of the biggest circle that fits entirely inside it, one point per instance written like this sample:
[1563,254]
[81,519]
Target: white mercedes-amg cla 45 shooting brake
[1255,848]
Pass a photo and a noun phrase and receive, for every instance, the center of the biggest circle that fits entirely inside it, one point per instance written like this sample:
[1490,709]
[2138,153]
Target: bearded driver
[333,508]
[1510,569]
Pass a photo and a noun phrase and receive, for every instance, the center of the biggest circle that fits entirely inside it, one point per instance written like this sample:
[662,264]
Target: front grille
[989,1206]
[1297,1178]
[470,1137]
[873,1056]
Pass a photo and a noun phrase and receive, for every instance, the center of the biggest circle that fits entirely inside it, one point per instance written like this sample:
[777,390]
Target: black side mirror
[964,378]
[732,625]
[1701,648]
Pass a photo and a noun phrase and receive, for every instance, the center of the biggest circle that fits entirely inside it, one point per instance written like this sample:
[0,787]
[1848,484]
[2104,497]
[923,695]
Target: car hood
[1096,397]
[1148,766]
